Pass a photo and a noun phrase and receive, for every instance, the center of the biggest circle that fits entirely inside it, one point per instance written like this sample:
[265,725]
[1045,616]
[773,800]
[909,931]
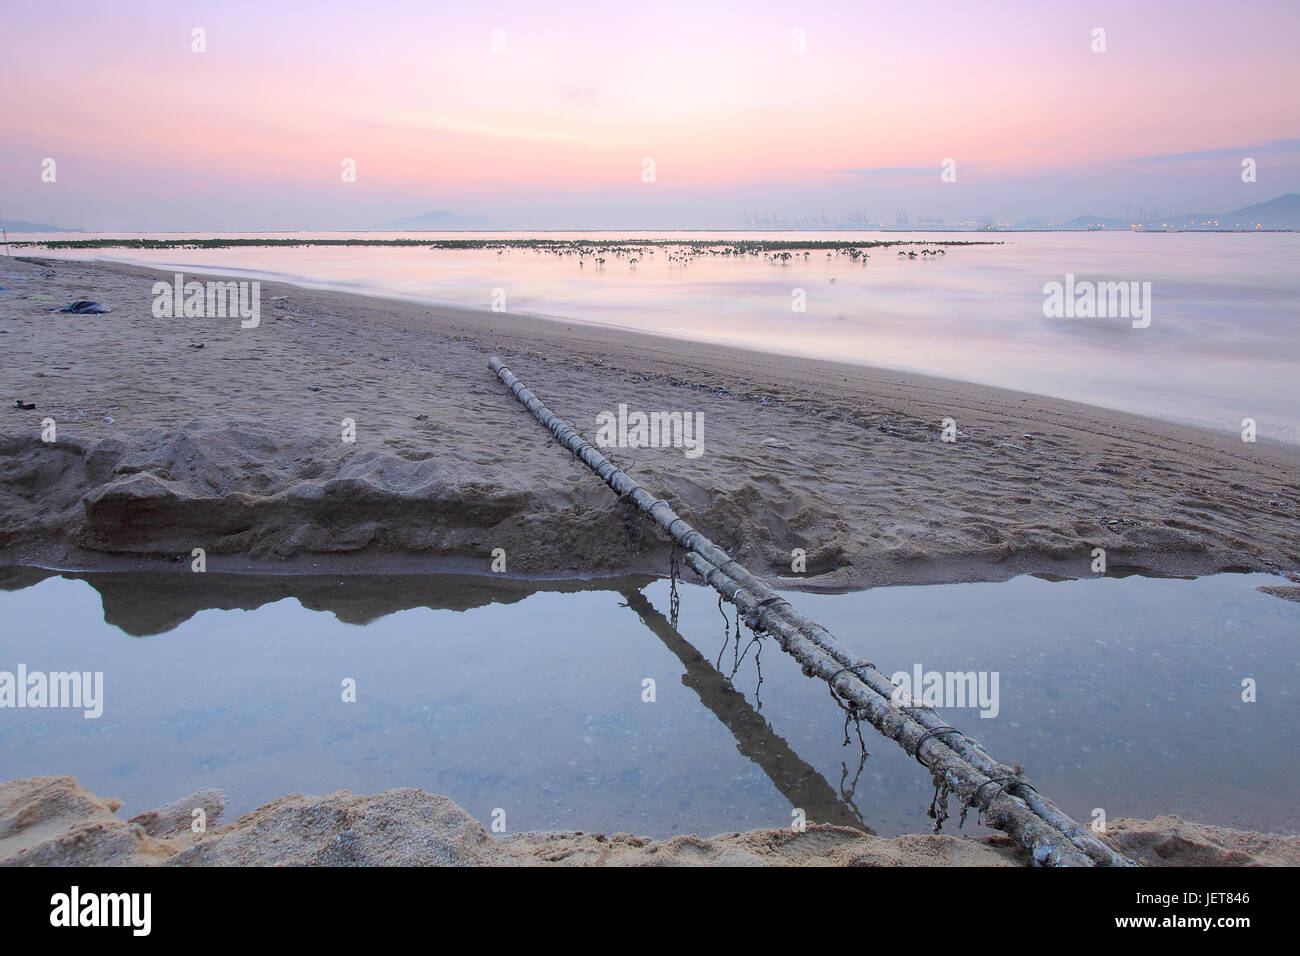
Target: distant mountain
[439,220]
[1280,213]
[19,225]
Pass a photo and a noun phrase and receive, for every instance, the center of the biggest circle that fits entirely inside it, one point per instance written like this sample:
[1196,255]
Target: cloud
[1273,146]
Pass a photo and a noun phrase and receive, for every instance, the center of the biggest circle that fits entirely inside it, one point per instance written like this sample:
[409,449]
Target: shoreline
[53,821]
[378,294]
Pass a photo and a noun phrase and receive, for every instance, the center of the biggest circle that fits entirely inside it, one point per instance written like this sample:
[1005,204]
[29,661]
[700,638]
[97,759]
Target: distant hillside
[1280,213]
[438,221]
[19,225]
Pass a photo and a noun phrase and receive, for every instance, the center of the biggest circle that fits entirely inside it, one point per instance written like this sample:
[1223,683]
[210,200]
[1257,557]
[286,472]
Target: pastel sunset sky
[552,131]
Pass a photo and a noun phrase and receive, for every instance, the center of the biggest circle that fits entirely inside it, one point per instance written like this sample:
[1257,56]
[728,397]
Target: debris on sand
[85,307]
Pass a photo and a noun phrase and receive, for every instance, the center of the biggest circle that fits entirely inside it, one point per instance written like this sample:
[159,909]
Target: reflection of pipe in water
[798,782]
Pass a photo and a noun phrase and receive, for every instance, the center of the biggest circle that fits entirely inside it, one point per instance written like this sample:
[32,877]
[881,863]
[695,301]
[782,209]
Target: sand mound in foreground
[52,821]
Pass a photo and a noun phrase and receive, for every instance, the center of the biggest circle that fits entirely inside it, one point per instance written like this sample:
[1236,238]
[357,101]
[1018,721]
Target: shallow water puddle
[1121,694]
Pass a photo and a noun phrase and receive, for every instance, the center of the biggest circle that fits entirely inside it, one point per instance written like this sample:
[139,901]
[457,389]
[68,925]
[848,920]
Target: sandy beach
[175,433]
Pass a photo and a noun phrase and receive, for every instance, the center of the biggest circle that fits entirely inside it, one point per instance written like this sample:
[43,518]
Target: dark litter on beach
[85,307]
[25,406]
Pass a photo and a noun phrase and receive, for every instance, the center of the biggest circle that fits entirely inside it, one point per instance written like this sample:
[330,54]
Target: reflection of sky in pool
[1116,693]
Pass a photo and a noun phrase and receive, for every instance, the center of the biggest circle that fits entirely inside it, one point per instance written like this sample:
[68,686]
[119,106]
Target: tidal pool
[1120,694]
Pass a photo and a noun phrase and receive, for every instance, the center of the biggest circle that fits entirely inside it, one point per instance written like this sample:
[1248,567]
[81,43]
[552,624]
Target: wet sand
[236,448]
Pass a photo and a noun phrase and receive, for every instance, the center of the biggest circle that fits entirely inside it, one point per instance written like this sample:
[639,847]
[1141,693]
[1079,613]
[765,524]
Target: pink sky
[148,134]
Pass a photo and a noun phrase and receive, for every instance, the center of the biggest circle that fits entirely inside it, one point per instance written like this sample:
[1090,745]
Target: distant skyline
[552,129]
